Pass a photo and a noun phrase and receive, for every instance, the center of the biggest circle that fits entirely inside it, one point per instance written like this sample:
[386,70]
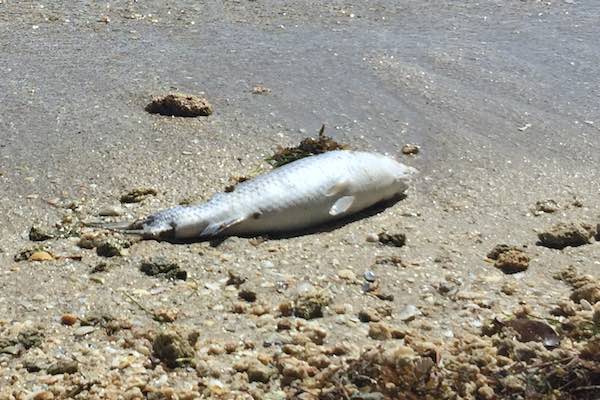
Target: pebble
[408,313]
[84,330]
[372,238]
[369,276]
[346,274]
[111,211]
[41,395]
[63,367]
[41,256]
[379,331]
[68,319]
[410,149]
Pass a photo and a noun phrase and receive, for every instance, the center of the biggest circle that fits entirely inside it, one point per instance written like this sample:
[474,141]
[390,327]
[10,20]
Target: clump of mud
[307,147]
[180,105]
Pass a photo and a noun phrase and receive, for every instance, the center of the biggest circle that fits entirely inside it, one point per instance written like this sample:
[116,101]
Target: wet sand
[501,97]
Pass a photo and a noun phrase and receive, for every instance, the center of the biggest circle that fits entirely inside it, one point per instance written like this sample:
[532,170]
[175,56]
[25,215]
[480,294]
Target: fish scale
[298,195]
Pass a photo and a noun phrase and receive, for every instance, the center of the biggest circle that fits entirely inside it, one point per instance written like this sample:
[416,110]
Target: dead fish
[299,195]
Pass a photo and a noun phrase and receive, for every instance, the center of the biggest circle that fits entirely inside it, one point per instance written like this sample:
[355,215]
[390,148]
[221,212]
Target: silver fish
[299,195]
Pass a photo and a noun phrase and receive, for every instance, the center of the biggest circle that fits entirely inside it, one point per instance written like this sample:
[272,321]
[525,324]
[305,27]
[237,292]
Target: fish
[300,195]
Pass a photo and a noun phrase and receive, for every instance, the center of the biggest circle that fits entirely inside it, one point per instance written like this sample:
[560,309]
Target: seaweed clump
[307,147]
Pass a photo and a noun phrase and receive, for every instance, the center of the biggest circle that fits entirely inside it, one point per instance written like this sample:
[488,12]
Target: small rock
[172,349]
[509,288]
[260,89]
[589,292]
[546,206]
[39,234]
[408,313]
[372,237]
[379,331]
[369,315]
[41,256]
[257,372]
[84,330]
[512,261]
[68,319]
[562,235]
[499,249]
[100,267]
[346,274]
[161,267]
[395,239]
[111,211]
[63,367]
[165,314]
[410,149]
[180,105]
[369,276]
[310,305]
[41,395]
[110,247]
[137,195]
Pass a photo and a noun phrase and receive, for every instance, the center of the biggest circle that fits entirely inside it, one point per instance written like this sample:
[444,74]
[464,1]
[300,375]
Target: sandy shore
[501,98]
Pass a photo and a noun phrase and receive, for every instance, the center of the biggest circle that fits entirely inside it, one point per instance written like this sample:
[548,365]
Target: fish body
[299,195]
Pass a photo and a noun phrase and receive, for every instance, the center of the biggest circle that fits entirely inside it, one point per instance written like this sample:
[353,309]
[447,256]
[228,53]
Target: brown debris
[137,195]
[512,261]
[180,105]
[562,235]
[308,147]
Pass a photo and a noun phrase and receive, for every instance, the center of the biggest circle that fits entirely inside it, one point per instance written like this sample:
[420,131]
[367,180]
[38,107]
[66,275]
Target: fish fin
[217,227]
[341,205]
[337,189]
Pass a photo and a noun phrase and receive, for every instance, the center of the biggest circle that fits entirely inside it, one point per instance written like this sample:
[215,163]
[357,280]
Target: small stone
[163,268]
[395,239]
[165,314]
[512,261]
[230,347]
[111,211]
[172,349]
[562,235]
[486,393]
[84,330]
[41,256]
[257,372]
[284,325]
[63,367]
[589,292]
[310,305]
[410,149]
[260,89]
[369,315]
[546,206]
[40,234]
[369,276]
[137,195]
[41,395]
[500,249]
[110,247]
[408,313]
[509,288]
[379,331]
[372,238]
[346,274]
[180,105]
[247,295]
[68,319]
[286,308]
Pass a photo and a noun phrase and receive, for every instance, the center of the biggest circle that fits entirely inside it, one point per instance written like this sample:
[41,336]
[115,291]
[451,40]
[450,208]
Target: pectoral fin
[218,227]
[341,205]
